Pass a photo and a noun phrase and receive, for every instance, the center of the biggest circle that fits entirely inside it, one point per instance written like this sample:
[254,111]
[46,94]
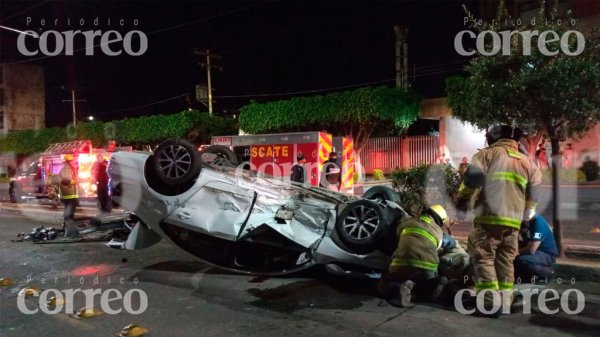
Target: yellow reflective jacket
[418,242]
[508,185]
[68,182]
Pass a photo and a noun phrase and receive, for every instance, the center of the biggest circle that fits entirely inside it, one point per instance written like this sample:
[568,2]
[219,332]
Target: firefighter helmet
[439,215]
[503,131]
[68,157]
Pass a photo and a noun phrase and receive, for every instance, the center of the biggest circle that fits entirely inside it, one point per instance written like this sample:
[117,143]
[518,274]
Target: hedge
[357,112]
[194,125]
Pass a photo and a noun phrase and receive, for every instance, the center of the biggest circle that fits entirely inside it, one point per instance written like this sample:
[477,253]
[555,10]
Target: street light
[90,118]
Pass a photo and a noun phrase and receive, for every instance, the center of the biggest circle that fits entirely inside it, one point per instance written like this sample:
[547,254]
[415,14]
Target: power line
[145,105]
[157,31]
[292,93]
[211,17]
[440,65]
[23,11]
[280,93]
[308,91]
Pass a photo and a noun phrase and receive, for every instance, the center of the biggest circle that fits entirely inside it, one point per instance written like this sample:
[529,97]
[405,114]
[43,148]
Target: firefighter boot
[400,294]
[405,294]
[70,229]
[488,308]
[442,282]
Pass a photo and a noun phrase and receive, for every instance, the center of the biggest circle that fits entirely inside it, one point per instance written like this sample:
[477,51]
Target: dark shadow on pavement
[566,324]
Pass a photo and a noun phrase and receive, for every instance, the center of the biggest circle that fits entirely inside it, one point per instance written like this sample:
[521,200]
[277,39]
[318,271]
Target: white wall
[460,139]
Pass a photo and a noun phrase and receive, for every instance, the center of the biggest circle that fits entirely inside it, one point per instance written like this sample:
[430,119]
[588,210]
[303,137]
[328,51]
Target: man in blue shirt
[538,253]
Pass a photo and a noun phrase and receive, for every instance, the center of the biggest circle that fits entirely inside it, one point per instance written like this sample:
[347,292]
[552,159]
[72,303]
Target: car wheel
[379,194]
[361,225]
[219,155]
[175,163]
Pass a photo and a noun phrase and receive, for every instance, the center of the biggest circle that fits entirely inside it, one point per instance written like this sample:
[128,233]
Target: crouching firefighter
[415,261]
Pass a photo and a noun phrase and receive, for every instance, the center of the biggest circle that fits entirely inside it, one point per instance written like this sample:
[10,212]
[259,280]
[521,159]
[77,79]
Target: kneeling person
[537,257]
[415,261]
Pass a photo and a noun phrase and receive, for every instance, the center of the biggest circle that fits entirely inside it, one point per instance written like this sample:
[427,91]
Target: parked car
[247,221]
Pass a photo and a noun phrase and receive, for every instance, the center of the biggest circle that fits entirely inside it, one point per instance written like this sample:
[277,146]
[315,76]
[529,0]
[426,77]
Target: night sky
[271,50]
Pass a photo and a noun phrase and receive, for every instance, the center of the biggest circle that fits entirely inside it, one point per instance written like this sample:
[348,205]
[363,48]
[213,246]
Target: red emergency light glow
[96,270]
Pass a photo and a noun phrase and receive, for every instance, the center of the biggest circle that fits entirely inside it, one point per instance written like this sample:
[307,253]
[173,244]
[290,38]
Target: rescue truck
[275,154]
[37,181]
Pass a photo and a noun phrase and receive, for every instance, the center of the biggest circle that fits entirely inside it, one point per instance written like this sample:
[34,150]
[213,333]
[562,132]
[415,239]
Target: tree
[555,96]
[357,113]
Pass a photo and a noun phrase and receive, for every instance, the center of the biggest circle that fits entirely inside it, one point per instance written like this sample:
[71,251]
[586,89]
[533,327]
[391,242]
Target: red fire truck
[275,154]
[34,182]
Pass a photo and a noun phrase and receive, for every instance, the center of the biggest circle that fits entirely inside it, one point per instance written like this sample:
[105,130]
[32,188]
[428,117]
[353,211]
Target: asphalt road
[187,297]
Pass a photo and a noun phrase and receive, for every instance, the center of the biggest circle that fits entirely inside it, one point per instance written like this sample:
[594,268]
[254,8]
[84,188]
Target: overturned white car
[245,221]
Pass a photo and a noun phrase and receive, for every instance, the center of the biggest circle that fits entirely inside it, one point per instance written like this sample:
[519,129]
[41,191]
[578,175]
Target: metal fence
[390,153]
[422,150]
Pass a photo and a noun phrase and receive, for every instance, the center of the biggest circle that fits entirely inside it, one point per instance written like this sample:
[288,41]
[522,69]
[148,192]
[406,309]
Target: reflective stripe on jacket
[418,242]
[504,194]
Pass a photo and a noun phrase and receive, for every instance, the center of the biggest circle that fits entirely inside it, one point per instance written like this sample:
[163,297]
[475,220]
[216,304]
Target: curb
[570,269]
[44,211]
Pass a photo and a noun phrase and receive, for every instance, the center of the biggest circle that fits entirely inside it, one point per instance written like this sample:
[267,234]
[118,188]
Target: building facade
[22,95]
[22,105]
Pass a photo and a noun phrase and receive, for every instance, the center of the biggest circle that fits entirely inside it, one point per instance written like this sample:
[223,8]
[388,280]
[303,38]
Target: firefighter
[462,167]
[69,195]
[298,169]
[332,173]
[100,176]
[415,261]
[503,184]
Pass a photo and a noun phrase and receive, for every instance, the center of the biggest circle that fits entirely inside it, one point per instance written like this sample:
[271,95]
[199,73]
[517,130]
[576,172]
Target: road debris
[87,313]
[5,282]
[133,330]
[29,292]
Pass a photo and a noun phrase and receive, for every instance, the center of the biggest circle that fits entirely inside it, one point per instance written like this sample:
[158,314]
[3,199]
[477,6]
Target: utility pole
[401,56]
[73,100]
[208,66]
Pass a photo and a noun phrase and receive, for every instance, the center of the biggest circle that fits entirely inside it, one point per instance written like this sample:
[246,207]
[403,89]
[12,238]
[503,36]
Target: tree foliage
[194,125]
[555,96]
[425,185]
[357,113]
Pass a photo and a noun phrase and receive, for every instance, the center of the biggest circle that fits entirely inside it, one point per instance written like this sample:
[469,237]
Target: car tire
[175,163]
[382,193]
[361,226]
[219,155]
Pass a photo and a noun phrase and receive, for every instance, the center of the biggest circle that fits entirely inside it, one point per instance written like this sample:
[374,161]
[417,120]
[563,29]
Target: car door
[207,225]
[218,209]
[32,177]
